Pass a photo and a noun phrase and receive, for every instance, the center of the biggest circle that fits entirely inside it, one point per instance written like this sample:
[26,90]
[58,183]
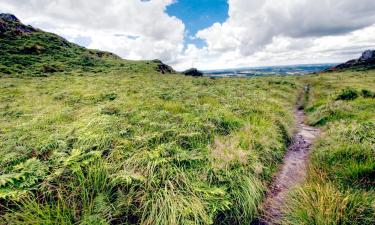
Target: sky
[210,34]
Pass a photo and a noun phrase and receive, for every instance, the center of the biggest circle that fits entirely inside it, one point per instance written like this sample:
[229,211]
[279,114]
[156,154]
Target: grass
[89,138]
[140,147]
[340,186]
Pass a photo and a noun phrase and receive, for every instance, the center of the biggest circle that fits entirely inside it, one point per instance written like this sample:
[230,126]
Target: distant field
[140,147]
[269,70]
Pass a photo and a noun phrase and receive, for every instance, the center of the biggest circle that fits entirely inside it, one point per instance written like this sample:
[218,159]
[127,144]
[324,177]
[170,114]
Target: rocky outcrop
[13,26]
[366,61]
[193,72]
[9,17]
[163,68]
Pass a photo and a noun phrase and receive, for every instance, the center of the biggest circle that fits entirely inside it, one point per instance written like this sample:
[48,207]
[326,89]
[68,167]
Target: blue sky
[198,15]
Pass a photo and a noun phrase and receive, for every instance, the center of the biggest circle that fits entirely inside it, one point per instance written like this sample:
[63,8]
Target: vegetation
[340,186]
[140,147]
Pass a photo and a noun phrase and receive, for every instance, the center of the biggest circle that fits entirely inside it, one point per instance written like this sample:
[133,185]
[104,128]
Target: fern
[25,176]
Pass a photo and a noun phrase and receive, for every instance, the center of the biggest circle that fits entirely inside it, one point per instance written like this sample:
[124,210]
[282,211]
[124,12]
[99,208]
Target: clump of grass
[348,94]
[322,204]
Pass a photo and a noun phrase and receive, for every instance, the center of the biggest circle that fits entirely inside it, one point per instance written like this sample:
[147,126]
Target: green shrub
[348,94]
[367,94]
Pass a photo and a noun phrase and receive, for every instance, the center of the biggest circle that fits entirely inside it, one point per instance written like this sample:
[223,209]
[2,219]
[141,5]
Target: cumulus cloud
[272,32]
[110,25]
[253,24]
[283,50]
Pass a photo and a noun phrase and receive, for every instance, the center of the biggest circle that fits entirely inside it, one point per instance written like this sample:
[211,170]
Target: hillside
[32,52]
[365,62]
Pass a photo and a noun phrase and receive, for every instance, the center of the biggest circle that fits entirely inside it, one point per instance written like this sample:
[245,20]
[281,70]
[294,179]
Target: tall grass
[140,148]
[340,184]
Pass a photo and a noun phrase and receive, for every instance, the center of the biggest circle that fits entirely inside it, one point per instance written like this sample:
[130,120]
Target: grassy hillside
[26,51]
[341,184]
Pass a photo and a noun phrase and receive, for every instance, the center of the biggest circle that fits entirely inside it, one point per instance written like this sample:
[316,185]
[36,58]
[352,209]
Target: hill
[365,62]
[28,51]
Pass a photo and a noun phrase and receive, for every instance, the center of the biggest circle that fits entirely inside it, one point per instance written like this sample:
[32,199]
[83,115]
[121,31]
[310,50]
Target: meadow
[89,138]
[139,147]
[340,185]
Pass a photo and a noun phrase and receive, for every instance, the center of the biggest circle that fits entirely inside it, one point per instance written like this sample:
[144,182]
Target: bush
[367,94]
[348,94]
[51,69]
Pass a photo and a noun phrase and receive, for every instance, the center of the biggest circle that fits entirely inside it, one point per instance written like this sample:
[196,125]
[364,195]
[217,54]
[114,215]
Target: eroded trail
[292,172]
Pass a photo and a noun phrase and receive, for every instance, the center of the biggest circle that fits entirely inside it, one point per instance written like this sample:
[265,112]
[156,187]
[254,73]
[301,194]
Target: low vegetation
[340,186]
[144,148]
[89,138]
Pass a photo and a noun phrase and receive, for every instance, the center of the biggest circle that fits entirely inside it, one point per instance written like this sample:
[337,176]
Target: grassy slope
[140,147]
[26,51]
[340,187]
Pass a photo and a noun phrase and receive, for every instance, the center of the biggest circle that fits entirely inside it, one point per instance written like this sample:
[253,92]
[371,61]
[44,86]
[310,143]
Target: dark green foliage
[348,94]
[367,94]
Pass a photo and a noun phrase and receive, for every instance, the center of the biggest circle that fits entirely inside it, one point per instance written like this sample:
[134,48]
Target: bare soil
[292,172]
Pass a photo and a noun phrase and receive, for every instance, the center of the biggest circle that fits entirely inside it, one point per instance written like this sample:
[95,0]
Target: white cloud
[283,50]
[266,32]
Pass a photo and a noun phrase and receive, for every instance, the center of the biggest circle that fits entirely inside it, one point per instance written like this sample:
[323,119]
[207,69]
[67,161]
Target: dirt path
[291,173]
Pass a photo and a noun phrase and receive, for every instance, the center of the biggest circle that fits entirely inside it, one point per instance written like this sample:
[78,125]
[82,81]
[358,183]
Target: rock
[13,26]
[9,17]
[366,61]
[163,68]
[193,72]
[367,55]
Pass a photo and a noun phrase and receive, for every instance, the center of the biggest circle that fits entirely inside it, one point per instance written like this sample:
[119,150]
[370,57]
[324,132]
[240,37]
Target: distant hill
[366,61]
[26,50]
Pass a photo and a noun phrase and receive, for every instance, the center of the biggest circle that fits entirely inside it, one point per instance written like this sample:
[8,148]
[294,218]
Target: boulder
[9,17]
[367,55]
[193,72]
[13,26]
[163,68]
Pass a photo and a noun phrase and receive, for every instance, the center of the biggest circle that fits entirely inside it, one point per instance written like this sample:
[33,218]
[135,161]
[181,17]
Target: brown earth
[292,172]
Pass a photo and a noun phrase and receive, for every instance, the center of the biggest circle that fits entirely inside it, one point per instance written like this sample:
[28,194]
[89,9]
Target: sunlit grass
[140,148]
[340,186]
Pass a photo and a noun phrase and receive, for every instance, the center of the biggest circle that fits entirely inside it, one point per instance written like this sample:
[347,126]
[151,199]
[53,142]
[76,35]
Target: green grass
[89,138]
[140,147]
[340,186]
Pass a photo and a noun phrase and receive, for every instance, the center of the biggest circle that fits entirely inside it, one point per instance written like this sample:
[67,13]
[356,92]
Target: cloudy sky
[210,34]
